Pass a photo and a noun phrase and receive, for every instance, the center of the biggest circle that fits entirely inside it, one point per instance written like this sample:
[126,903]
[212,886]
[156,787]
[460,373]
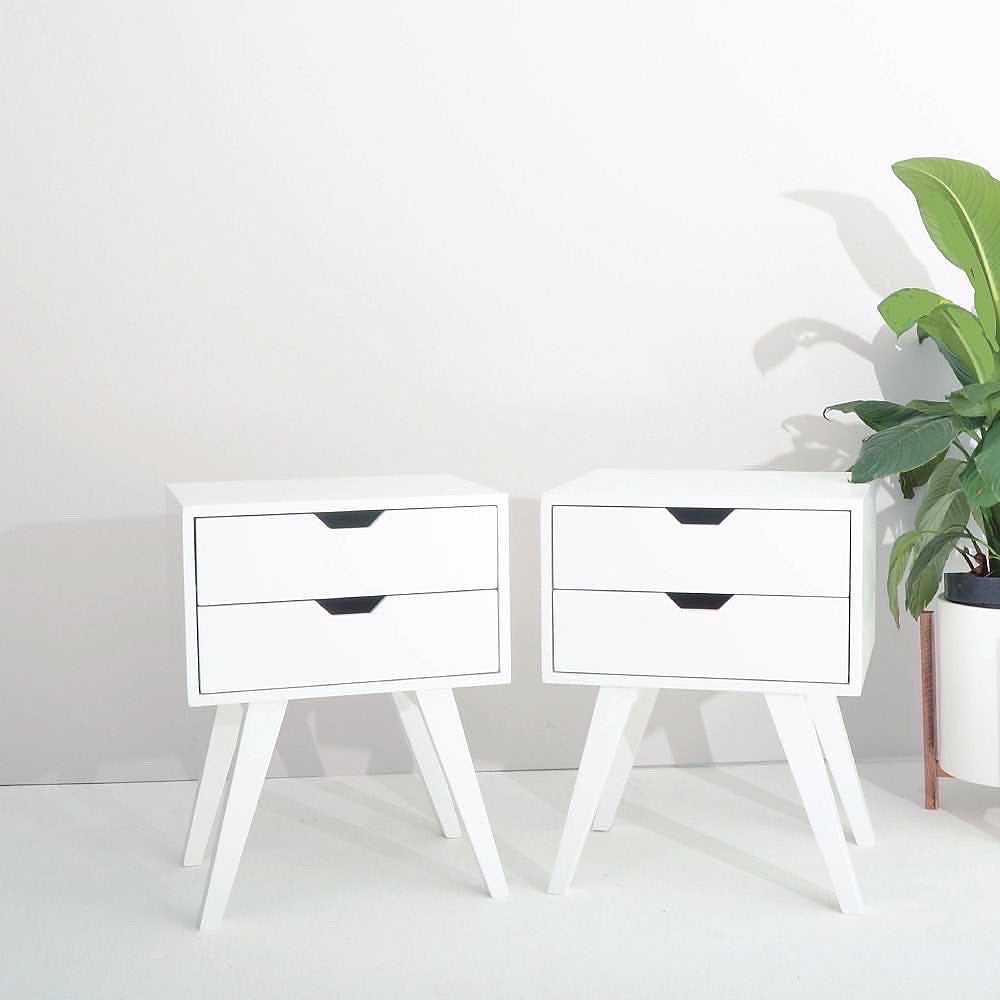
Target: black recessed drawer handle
[350,605]
[701,515]
[699,602]
[350,518]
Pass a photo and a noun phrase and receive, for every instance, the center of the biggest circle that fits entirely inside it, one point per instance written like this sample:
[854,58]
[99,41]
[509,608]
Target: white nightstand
[726,581]
[307,589]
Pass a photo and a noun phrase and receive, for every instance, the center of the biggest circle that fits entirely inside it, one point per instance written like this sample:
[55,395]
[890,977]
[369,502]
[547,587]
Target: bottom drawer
[247,647]
[748,638]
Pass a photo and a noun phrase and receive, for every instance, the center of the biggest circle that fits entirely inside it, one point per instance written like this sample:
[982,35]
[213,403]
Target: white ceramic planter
[968,684]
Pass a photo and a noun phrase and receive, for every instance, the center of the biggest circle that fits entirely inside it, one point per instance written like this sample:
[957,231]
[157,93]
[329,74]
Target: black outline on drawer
[333,684]
[687,677]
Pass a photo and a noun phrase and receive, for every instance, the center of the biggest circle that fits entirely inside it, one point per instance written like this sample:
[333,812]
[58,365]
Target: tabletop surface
[703,487]
[328,493]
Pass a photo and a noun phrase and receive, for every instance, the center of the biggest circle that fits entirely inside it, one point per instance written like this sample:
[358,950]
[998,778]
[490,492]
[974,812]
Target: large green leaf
[986,459]
[960,333]
[977,516]
[904,309]
[961,371]
[951,511]
[905,446]
[899,557]
[977,400]
[977,489]
[928,564]
[981,476]
[876,413]
[912,478]
[989,519]
[959,203]
[943,480]
[943,509]
[931,407]
[966,346]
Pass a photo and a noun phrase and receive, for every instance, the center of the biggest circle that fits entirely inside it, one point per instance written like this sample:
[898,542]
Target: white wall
[510,241]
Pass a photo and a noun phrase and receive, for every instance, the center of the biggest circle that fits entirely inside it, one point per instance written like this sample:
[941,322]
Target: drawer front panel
[776,552]
[798,639]
[290,557]
[304,644]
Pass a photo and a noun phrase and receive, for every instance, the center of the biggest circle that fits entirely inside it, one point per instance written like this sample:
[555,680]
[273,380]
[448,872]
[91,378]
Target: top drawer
[288,557]
[792,552]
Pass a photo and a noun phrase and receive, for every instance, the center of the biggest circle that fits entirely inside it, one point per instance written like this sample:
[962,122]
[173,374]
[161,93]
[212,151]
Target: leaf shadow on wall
[902,370]
[884,262]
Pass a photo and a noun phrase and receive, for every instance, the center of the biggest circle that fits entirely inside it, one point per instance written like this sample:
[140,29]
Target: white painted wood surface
[291,557]
[255,647]
[245,554]
[797,733]
[611,713]
[428,764]
[752,551]
[826,715]
[771,593]
[764,488]
[628,747]
[280,496]
[748,638]
[629,507]
[218,760]
[258,734]
[445,727]
[321,659]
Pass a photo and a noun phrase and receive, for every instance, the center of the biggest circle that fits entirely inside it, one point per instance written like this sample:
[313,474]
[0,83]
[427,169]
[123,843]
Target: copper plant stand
[928,687]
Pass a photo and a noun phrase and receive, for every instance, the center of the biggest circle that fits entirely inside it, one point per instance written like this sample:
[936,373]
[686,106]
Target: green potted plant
[949,450]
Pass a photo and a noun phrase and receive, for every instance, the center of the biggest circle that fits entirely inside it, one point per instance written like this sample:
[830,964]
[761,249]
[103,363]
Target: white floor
[709,885]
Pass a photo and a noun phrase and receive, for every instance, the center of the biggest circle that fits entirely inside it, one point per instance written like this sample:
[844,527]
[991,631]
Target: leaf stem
[976,541]
[964,553]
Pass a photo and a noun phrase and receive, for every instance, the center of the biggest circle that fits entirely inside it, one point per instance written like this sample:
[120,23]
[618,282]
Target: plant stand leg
[427,763]
[218,760]
[826,715]
[611,713]
[261,723]
[445,727]
[628,747]
[928,690]
[805,758]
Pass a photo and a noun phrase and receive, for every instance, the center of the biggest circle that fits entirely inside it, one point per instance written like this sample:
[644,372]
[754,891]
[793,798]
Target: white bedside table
[725,581]
[307,589]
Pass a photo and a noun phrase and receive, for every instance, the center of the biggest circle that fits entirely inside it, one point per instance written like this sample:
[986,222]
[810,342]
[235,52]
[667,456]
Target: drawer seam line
[313,600]
[735,593]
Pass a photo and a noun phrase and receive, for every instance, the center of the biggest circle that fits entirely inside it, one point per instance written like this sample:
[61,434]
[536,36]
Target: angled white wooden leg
[826,716]
[218,758]
[261,723]
[805,758]
[628,747]
[611,712]
[427,762]
[445,727]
